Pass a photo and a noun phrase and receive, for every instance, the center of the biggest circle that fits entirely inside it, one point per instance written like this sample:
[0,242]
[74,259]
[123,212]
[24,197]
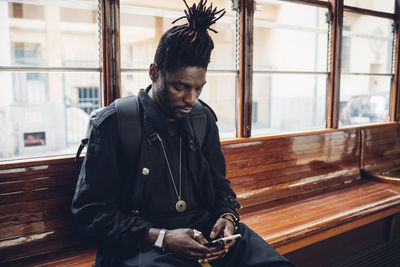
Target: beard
[162,99]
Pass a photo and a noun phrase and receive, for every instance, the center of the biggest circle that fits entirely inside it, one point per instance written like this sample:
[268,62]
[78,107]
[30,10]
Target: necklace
[180,204]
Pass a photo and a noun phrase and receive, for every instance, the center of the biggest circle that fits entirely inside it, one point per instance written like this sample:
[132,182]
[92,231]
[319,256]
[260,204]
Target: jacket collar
[156,117]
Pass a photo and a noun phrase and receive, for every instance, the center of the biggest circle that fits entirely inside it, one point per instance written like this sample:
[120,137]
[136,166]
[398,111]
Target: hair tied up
[199,18]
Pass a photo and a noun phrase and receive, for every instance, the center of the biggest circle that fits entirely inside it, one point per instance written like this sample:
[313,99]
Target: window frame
[110,69]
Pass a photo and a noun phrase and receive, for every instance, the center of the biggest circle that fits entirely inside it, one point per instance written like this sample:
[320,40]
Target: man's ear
[154,72]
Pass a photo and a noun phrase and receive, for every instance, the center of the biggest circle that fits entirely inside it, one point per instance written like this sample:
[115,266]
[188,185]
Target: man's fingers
[216,255]
[231,243]
[216,230]
[198,236]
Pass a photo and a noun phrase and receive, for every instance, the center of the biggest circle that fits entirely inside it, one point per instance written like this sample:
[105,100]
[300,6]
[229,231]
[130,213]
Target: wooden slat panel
[40,246]
[81,257]
[36,205]
[50,192]
[23,173]
[36,183]
[316,166]
[344,175]
[387,132]
[34,227]
[271,194]
[381,148]
[293,173]
[297,144]
[36,216]
[322,154]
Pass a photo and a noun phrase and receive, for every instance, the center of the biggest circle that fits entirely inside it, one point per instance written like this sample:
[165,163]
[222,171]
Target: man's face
[178,91]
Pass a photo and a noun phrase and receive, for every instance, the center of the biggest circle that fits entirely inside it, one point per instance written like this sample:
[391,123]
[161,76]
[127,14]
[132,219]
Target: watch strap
[160,239]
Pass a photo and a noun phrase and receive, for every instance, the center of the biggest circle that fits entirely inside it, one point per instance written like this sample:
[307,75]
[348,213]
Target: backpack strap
[84,142]
[198,119]
[129,127]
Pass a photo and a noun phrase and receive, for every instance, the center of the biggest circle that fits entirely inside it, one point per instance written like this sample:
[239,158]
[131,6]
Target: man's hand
[222,228]
[184,244]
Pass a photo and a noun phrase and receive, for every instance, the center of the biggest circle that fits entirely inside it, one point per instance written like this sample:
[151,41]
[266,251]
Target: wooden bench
[296,192]
[35,222]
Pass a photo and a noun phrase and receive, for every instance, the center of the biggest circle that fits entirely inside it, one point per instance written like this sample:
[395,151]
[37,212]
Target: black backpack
[130,128]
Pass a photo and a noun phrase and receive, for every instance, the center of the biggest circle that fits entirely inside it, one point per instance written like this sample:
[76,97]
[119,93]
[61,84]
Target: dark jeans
[250,250]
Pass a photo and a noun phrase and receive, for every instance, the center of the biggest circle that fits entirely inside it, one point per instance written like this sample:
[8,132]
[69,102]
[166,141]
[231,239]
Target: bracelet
[224,216]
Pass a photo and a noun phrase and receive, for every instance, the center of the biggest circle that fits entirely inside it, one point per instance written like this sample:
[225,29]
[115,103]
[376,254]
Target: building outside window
[367,75]
[290,67]
[49,51]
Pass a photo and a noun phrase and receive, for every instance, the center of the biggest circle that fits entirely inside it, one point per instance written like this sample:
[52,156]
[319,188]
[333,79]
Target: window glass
[142,25]
[50,33]
[364,99]
[367,44]
[293,38]
[288,103]
[290,36]
[367,58]
[43,112]
[377,5]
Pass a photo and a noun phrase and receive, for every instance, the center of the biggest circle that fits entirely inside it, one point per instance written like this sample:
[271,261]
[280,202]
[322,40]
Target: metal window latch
[329,17]
[257,6]
[235,5]
[395,26]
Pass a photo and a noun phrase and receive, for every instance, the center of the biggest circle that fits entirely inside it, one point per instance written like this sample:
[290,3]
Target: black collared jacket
[104,205]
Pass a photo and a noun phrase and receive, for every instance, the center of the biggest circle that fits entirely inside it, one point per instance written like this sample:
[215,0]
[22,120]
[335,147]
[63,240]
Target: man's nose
[190,97]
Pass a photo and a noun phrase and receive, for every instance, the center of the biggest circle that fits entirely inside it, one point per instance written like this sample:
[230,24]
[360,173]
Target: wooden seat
[35,222]
[294,224]
[296,191]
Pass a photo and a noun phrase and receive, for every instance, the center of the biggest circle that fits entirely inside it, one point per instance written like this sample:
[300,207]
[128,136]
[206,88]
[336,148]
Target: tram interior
[307,95]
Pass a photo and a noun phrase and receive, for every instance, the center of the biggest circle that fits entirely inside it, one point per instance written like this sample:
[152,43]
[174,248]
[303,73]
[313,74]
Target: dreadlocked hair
[188,44]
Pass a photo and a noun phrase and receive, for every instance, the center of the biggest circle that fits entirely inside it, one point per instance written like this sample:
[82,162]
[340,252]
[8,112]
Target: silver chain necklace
[180,204]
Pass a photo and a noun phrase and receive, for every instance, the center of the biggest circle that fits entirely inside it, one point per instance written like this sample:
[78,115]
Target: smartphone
[221,241]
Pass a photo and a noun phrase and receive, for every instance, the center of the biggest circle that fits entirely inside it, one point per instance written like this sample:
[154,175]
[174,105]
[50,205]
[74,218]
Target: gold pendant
[180,206]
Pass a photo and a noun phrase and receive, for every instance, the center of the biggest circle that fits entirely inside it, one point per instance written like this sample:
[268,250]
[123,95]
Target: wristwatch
[160,238]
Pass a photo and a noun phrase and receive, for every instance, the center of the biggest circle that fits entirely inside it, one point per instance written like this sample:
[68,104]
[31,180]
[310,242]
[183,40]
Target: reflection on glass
[376,5]
[49,33]
[45,114]
[288,103]
[290,36]
[367,44]
[364,99]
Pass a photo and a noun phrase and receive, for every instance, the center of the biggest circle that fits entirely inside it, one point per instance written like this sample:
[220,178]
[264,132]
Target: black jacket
[106,203]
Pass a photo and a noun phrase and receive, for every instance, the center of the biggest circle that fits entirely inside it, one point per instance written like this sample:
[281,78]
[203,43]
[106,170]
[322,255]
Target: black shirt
[161,197]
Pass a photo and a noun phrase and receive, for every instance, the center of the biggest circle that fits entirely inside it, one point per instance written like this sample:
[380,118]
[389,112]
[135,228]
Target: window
[367,72]
[290,68]
[51,75]
[49,58]
[376,5]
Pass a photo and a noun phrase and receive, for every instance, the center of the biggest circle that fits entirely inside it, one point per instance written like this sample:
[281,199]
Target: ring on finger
[196,233]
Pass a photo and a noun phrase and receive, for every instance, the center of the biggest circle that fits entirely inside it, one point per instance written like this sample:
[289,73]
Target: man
[162,208]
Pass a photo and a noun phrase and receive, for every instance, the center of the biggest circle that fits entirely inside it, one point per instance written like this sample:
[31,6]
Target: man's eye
[179,88]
